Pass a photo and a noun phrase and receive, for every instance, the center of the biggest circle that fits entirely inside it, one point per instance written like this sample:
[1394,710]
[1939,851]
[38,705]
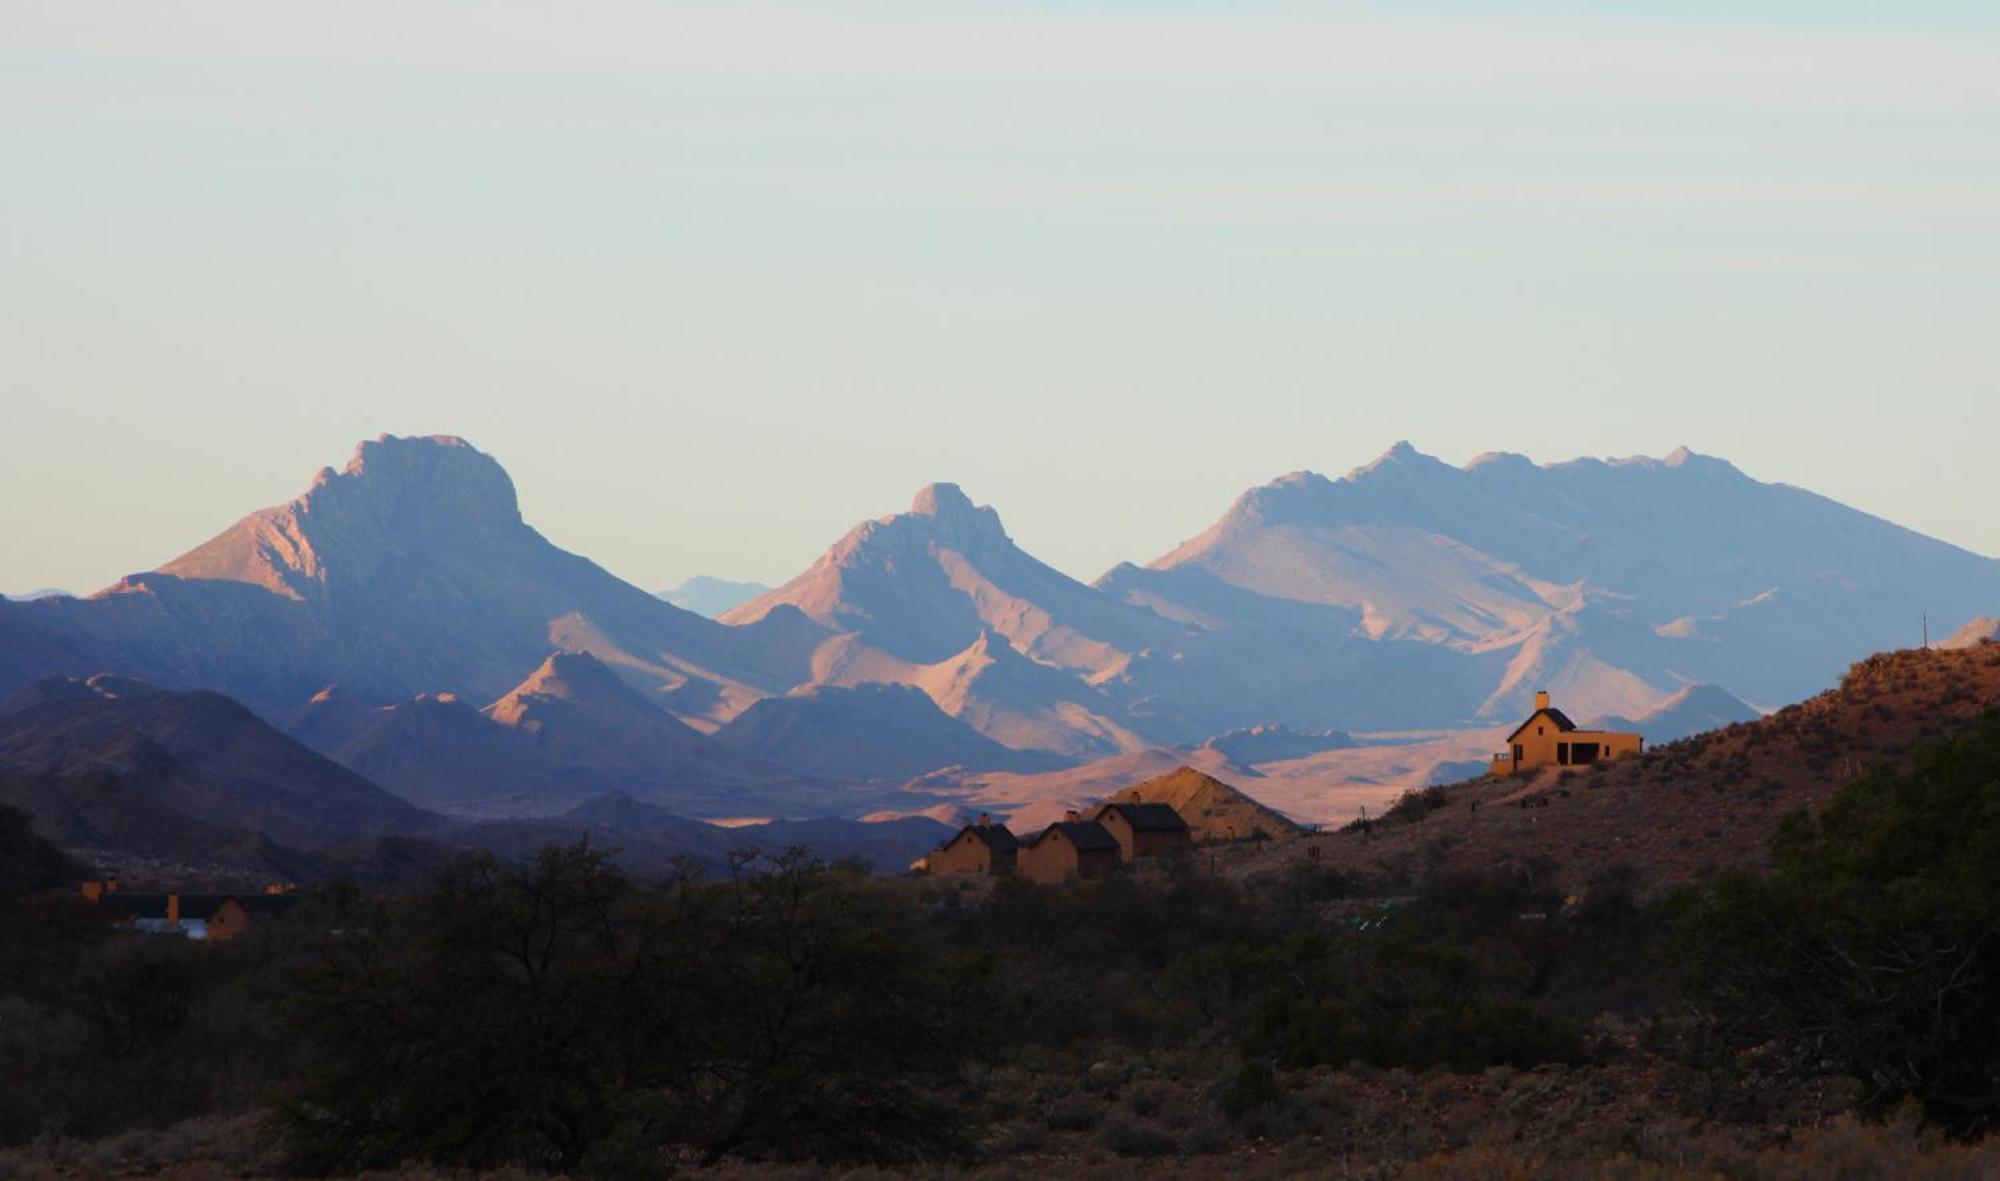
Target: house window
[1519,753]
[1538,731]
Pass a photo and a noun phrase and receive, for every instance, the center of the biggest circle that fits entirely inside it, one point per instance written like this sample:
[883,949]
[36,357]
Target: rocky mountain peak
[1500,461]
[418,483]
[958,521]
[421,496]
[1401,458]
[942,500]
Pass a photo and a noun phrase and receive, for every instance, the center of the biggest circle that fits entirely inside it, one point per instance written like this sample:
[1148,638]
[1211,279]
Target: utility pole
[1927,631]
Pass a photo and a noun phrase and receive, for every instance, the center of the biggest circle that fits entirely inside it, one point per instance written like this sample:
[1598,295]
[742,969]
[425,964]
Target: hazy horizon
[716,283]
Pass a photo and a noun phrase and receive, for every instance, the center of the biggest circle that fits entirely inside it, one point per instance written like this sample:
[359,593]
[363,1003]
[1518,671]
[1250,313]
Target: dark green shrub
[1127,1137]
[545,1014]
[1075,1112]
[1147,1097]
[1870,951]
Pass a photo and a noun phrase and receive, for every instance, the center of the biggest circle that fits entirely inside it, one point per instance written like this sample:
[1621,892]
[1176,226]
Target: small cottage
[1070,849]
[1143,830]
[984,847]
[195,916]
[1549,738]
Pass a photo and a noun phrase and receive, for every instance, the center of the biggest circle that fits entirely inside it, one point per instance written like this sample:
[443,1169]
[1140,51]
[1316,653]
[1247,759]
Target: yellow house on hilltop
[1548,737]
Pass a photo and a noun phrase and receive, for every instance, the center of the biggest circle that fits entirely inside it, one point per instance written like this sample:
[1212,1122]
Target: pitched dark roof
[1561,719]
[998,837]
[1086,835]
[1147,817]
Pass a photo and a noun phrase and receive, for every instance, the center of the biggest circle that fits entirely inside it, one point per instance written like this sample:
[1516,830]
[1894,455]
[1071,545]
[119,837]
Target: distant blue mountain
[711,596]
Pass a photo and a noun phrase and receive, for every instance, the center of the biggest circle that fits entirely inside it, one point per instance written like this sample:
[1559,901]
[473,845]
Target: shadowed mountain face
[410,571]
[870,731]
[1272,744]
[1694,710]
[572,730]
[190,786]
[195,756]
[29,862]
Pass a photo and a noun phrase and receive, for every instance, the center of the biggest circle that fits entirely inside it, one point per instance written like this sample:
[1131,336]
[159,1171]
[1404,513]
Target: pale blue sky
[716,281]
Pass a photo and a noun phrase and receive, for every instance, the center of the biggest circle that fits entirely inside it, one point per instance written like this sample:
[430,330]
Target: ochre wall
[1114,823]
[1055,859]
[1131,844]
[1151,844]
[229,921]
[965,853]
[1540,741]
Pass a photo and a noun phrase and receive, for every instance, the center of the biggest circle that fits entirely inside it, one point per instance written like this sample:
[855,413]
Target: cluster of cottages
[193,916]
[1549,739]
[1090,844]
[1080,846]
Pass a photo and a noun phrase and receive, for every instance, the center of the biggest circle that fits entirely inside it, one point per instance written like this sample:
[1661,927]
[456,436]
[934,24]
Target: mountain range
[570,731]
[188,785]
[1614,582]
[402,618]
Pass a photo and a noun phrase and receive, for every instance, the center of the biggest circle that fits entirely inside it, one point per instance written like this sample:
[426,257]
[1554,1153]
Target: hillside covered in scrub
[1684,810]
[1827,1006]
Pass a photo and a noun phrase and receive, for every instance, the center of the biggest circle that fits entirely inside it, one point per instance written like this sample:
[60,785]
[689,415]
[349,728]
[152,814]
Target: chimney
[1072,816]
[92,891]
[173,911]
[985,821]
[1542,699]
[111,885]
